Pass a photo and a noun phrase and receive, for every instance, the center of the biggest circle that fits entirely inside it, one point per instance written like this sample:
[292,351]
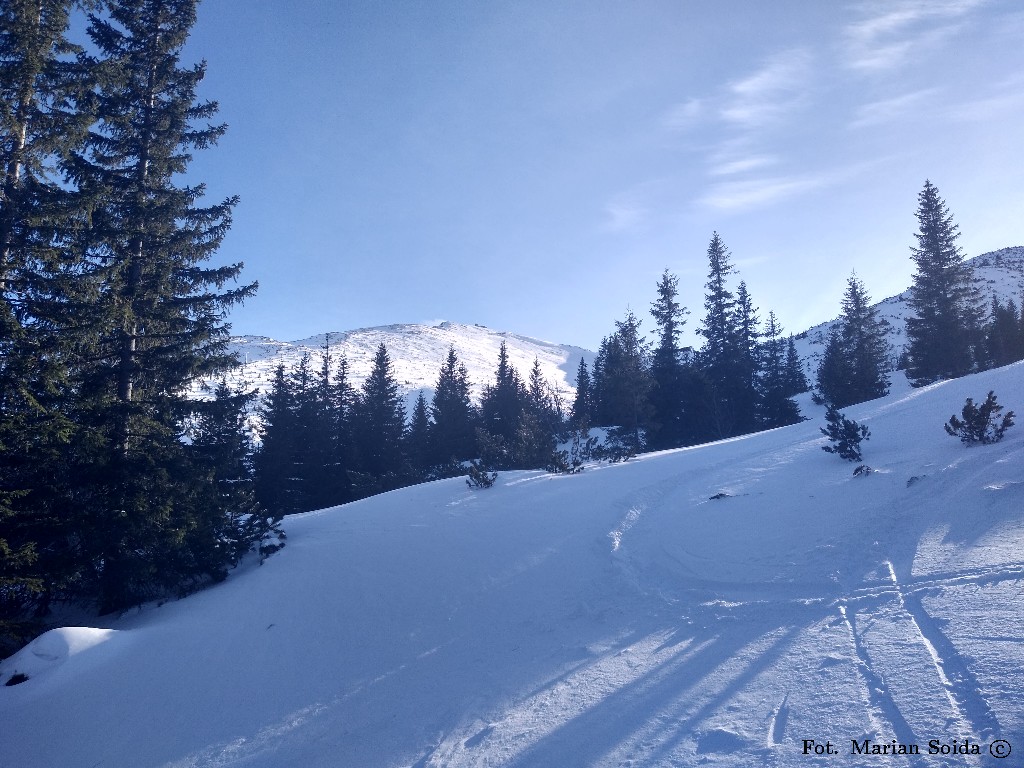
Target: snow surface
[620,617]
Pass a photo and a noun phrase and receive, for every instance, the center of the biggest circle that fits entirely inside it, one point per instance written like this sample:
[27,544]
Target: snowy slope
[417,352]
[999,272]
[621,617]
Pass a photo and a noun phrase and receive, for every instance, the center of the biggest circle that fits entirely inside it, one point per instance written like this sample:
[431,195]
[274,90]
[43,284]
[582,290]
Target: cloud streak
[889,110]
[769,93]
[892,31]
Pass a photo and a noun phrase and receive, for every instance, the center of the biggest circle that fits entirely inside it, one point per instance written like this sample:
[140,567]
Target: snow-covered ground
[620,617]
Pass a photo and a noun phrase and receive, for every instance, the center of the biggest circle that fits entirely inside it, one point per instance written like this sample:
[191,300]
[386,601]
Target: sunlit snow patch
[51,649]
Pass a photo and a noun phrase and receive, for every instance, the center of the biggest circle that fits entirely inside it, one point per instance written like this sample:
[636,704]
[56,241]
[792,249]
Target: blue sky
[535,166]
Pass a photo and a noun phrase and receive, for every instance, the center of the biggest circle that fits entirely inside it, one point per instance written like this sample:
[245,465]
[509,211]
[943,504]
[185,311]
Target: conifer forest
[118,487]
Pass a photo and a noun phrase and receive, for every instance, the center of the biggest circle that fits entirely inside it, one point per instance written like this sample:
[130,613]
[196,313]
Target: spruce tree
[40,124]
[380,424]
[775,406]
[667,370]
[857,360]
[796,379]
[417,439]
[745,396]
[275,459]
[453,432]
[503,402]
[622,381]
[944,332]
[1004,334]
[581,404]
[718,357]
[158,319]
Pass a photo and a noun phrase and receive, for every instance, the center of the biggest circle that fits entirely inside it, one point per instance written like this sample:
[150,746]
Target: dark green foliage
[728,359]
[582,407]
[668,371]
[796,379]
[115,487]
[1004,335]
[980,424]
[775,406]
[479,476]
[845,435]
[581,450]
[503,402]
[417,438]
[544,402]
[380,424]
[622,379]
[453,432]
[944,332]
[857,359]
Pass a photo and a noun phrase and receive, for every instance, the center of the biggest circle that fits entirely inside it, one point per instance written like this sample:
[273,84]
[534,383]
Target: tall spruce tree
[718,356]
[453,432]
[622,381]
[582,407]
[41,122]
[857,360]
[157,321]
[668,374]
[796,379]
[775,406]
[380,424]
[503,402]
[417,439]
[944,332]
[745,395]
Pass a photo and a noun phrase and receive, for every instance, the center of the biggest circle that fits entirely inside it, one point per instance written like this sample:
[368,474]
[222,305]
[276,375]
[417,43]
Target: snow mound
[53,649]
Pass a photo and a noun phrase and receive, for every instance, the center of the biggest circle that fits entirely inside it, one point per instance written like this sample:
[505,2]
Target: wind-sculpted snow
[743,603]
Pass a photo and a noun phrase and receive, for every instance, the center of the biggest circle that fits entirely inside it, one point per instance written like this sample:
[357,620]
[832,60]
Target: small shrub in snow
[980,424]
[480,476]
[846,435]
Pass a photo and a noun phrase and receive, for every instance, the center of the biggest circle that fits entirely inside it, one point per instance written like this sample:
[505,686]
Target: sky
[535,166]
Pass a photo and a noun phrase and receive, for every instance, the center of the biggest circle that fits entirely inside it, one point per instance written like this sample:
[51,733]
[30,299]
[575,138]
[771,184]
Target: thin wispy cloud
[623,216]
[770,92]
[890,110]
[755,193]
[893,30]
[683,115]
[1004,101]
[729,167]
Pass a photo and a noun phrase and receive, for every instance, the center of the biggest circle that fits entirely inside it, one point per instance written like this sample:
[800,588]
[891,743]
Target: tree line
[116,487]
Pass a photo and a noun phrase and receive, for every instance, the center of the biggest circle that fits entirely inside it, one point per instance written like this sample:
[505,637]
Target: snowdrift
[621,617]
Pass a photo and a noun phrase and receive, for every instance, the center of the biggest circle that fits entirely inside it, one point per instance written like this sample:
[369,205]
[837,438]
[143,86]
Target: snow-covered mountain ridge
[417,352]
[708,606]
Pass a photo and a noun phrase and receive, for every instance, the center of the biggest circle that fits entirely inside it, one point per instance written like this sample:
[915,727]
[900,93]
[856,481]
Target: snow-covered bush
[846,435]
[480,476]
[980,424]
